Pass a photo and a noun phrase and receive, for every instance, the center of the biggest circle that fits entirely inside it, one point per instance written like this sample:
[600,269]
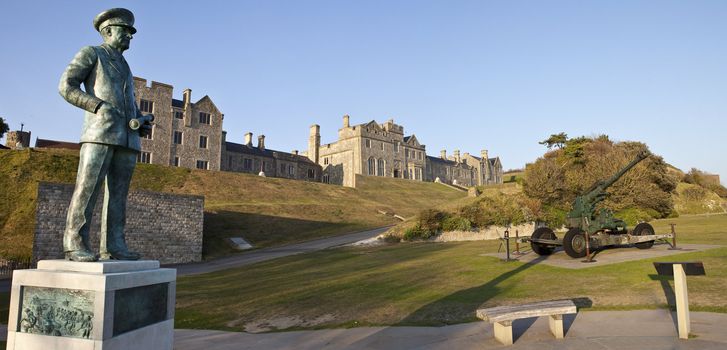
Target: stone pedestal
[105,305]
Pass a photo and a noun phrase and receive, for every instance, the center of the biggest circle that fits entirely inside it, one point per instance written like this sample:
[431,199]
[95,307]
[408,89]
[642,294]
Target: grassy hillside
[265,211]
[694,199]
[512,176]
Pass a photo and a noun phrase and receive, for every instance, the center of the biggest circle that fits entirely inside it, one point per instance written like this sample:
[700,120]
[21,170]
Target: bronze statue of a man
[110,140]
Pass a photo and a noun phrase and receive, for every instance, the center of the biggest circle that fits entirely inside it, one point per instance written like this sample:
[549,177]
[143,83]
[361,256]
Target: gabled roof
[252,150]
[43,143]
[206,98]
[373,124]
[440,160]
[448,162]
[412,140]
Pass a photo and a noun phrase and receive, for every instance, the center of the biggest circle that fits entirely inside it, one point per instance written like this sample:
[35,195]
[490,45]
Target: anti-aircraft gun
[601,227]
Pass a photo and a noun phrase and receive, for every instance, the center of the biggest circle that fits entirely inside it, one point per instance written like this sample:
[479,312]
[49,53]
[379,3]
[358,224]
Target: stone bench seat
[502,316]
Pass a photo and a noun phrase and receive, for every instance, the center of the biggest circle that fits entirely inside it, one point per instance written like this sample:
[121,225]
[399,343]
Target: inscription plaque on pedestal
[139,307]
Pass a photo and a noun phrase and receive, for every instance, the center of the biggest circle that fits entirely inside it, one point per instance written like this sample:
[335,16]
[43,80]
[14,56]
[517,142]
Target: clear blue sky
[468,75]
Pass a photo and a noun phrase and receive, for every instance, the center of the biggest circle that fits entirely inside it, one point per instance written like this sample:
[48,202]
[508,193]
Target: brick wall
[161,226]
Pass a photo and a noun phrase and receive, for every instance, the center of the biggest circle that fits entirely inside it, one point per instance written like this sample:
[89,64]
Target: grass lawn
[433,284]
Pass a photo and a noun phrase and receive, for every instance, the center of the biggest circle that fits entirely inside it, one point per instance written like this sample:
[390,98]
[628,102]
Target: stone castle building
[247,158]
[374,149]
[189,134]
[185,133]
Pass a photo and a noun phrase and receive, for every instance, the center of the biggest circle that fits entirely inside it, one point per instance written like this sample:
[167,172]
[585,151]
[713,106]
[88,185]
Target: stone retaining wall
[161,226]
[492,232]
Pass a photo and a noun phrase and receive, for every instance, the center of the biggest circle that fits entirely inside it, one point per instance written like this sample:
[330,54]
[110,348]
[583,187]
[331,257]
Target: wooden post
[587,225]
[673,238]
[507,244]
[682,300]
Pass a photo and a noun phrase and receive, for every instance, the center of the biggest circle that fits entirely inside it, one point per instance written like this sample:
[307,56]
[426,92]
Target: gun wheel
[540,248]
[574,243]
[643,229]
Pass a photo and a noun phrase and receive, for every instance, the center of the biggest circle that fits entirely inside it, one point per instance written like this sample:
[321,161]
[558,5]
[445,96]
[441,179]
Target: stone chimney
[346,123]
[456,156]
[465,155]
[248,139]
[483,153]
[261,142]
[314,141]
[443,154]
[187,96]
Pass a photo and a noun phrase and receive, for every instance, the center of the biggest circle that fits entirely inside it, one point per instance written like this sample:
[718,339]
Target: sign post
[680,271]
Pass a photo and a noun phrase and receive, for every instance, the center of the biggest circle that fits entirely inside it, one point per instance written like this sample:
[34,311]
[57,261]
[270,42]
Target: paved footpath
[595,330]
[265,254]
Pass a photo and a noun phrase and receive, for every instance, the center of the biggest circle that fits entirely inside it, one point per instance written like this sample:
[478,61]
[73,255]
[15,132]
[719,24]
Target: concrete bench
[502,317]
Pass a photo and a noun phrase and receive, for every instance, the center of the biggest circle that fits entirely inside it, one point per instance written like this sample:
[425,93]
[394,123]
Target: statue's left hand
[145,130]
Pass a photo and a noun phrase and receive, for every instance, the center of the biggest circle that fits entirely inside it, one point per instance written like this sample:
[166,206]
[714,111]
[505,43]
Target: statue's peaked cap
[115,17]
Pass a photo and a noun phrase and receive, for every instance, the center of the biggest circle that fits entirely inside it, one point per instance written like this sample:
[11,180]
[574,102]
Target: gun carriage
[589,228]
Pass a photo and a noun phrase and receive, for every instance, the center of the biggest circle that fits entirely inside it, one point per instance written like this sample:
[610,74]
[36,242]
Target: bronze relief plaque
[57,312]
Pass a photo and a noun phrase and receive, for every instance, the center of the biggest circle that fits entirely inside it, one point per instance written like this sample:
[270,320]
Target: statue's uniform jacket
[107,78]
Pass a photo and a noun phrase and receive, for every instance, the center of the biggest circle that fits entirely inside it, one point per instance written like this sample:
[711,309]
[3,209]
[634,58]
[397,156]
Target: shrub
[695,193]
[633,216]
[417,233]
[553,216]
[390,238]
[473,213]
[431,220]
[456,223]
[698,177]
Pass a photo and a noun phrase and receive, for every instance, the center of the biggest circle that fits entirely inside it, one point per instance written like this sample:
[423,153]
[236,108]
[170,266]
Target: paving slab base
[602,330]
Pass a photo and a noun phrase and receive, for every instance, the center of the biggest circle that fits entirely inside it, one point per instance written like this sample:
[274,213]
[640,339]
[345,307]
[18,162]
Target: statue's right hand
[108,111]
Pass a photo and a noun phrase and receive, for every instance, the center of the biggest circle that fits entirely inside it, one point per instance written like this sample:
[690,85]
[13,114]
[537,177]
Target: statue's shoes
[125,255]
[81,255]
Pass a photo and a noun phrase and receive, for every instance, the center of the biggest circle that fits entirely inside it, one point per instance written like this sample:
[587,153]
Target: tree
[3,127]
[555,140]
[559,176]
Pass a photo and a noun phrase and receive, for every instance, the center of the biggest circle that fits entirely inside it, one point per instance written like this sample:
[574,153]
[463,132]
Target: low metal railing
[8,266]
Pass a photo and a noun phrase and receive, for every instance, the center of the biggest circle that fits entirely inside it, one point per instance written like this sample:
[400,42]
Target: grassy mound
[695,199]
[265,211]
